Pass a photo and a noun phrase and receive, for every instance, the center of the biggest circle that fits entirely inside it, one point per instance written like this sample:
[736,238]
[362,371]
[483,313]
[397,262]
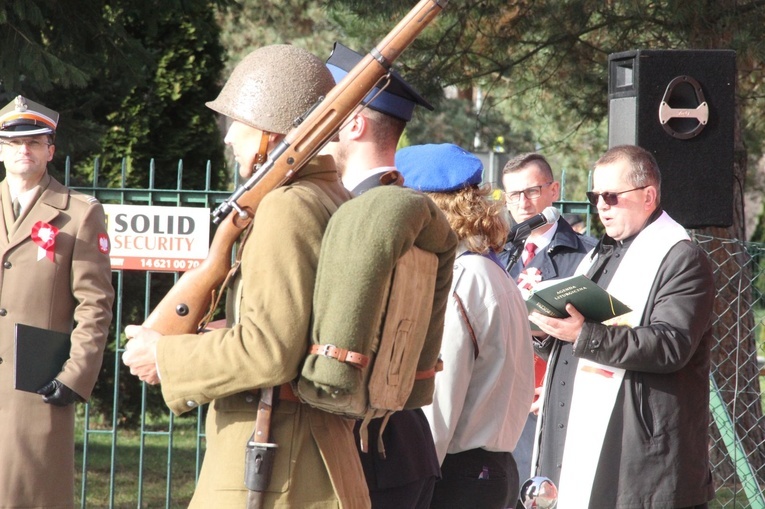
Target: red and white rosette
[528,279]
[44,235]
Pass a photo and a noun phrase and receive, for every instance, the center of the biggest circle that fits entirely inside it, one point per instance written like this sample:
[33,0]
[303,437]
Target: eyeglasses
[31,144]
[610,199]
[531,193]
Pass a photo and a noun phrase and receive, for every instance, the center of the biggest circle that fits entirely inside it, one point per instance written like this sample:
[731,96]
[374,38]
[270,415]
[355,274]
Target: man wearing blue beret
[364,153]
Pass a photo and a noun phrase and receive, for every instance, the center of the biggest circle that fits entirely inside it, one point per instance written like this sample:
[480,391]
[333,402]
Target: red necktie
[531,249]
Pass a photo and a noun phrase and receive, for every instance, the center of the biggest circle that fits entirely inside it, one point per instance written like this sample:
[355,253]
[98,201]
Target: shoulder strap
[323,198]
[461,306]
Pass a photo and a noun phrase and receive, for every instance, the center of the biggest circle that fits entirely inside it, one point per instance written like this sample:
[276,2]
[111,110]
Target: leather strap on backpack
[430,373]
[355,359]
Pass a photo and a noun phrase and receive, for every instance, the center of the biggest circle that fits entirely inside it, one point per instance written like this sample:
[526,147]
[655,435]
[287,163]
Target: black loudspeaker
[679,105]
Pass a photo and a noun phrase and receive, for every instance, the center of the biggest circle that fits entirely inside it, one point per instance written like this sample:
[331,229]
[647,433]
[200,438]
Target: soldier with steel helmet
[55,279]
[268,313]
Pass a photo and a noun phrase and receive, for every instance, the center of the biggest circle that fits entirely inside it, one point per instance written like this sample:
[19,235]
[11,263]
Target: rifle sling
[217,295]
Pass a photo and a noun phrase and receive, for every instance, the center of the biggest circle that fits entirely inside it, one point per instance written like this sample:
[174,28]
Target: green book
[550,298]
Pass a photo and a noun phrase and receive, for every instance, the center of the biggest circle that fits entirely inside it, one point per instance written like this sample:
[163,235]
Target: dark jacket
[410,454]
[561,257]
[655,452]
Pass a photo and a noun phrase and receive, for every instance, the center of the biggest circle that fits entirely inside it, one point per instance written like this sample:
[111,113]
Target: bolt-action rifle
[185,307]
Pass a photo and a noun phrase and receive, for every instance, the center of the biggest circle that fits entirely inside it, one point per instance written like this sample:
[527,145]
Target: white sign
[168,239]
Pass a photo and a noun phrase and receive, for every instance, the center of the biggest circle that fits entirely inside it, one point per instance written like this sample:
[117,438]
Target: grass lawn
[166,482]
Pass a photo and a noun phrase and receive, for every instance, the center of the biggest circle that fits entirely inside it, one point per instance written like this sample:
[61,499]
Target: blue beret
[438,168]
[398,99]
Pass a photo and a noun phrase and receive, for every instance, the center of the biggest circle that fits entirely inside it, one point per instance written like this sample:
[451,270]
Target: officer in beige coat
[316,463]
[55,275]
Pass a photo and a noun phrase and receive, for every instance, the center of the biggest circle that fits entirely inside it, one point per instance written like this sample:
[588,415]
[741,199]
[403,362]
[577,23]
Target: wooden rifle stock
[188,302]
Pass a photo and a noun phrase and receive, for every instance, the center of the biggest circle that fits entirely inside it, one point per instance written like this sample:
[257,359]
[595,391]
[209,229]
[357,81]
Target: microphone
[521,231]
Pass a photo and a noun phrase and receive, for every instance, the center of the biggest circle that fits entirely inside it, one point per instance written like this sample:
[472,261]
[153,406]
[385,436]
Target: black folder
[40,355]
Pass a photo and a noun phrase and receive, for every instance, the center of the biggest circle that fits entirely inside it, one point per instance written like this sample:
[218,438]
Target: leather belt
[355,359]
[287,394]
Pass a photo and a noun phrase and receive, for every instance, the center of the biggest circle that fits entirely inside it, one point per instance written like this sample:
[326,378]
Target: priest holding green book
[625,415]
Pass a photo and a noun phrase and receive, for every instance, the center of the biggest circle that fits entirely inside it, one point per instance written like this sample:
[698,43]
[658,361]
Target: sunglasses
[610,199]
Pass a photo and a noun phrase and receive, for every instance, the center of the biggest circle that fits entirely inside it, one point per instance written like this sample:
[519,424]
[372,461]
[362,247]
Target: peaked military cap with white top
[23,117]
[398,99]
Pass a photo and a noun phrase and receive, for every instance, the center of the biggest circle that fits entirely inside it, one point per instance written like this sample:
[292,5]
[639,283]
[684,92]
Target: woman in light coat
[483,395]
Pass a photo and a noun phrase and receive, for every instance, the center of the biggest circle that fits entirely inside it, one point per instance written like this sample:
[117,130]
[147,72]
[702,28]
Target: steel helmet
[272,86]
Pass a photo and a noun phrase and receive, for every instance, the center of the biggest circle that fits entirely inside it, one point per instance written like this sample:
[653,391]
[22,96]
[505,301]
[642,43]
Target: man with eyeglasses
[626,411]
[55,275]
[529,189]
[550,252]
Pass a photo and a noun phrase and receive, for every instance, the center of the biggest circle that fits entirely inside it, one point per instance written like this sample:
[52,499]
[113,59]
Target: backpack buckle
[326,351]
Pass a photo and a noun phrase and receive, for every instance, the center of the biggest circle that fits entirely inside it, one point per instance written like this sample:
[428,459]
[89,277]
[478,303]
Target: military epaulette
[83,198]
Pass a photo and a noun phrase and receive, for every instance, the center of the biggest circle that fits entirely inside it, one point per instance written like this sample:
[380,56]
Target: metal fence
[736,437]
[153,460]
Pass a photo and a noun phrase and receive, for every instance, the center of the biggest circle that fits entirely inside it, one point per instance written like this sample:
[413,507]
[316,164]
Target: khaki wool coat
[316,464]
[71,293]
